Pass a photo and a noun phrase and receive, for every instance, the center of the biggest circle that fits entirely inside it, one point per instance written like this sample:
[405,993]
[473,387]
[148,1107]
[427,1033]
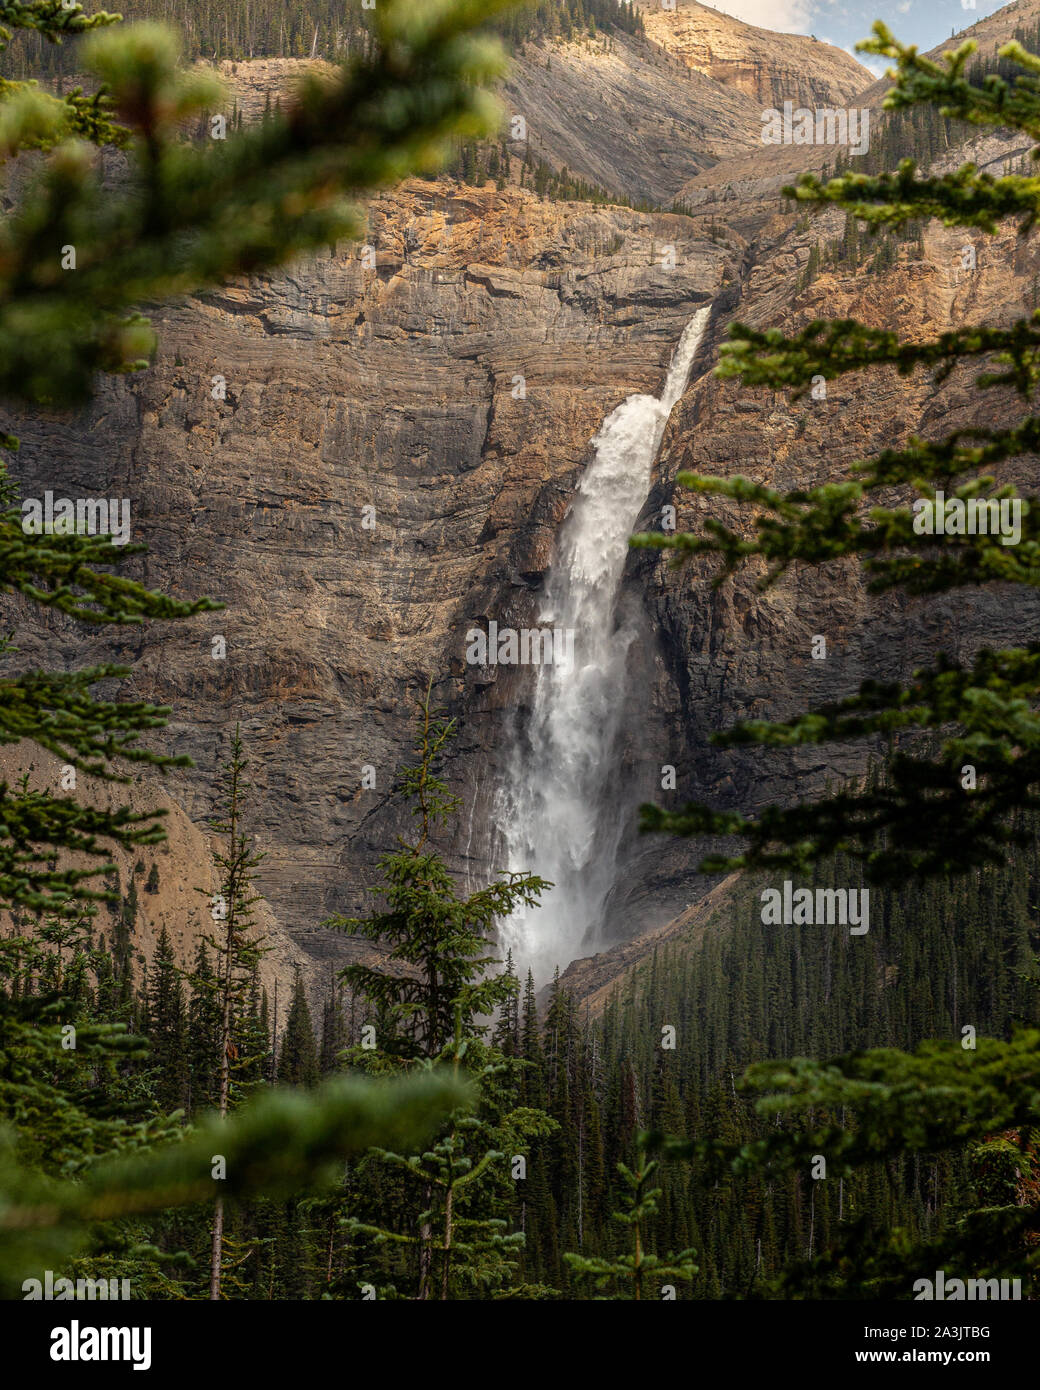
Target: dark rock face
[736,652]
[390,462]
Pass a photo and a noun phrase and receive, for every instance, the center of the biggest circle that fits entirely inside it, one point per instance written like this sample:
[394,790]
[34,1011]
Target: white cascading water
[554,813]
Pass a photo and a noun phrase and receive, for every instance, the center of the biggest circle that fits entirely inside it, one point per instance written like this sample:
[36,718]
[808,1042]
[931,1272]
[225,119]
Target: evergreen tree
[204,1032]
[237,949]
[456,1189]
[506,1036]
[333,1030]
[298,1055]
[166,1027]
[648,1274]
[442,938]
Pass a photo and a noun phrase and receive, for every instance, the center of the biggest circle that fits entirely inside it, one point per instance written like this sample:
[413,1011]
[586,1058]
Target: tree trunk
[447,1245]
[216,1249]
[426,1247]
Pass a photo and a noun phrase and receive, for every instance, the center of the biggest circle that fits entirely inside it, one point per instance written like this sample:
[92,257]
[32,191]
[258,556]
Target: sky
[843,22]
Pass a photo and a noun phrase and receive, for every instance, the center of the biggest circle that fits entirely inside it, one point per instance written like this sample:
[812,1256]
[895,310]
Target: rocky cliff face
[165,887]
[745,186]
[626,115]
[452,390]
[738,653]
[767,67]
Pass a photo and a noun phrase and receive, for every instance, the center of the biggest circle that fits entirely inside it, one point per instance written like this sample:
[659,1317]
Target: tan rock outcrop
[770,68]
[180,871]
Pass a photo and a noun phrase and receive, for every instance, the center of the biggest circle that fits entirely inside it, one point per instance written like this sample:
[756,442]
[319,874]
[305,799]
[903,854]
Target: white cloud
[875,65]
[878,66]
[782,16]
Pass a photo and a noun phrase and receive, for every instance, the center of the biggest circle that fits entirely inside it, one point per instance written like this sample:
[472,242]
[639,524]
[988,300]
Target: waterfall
[554,813]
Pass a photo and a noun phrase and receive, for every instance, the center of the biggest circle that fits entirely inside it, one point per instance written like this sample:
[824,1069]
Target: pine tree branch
[830,348]
[233,207]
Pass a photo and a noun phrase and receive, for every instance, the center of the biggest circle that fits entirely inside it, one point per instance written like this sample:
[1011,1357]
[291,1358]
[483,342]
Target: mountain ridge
[769,66]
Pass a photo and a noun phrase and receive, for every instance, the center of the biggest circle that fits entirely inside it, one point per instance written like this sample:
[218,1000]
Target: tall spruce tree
[435,1009]
[298,1054]
[166,1027]
[638,1273]
[237,947]
[441,940]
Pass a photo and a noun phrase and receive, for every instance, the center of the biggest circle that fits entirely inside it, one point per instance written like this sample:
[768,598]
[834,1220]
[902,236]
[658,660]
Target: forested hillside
[243,29]
[934,962]
[952,955]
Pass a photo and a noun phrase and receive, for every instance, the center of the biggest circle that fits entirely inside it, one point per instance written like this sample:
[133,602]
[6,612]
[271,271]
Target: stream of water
[554,813]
